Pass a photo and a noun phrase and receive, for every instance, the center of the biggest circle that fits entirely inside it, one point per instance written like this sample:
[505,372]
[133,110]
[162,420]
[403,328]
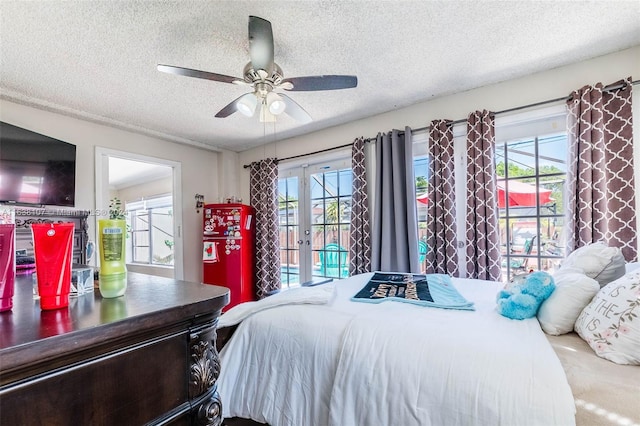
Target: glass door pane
[289,217]
[330,218]
[314,211]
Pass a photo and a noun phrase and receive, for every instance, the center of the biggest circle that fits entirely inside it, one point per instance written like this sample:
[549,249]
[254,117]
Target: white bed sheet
[358,364]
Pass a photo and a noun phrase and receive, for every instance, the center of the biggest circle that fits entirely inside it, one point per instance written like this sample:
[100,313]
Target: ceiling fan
[265,77]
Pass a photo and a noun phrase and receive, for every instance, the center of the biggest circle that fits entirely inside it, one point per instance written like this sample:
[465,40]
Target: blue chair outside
[333,261]
[520,264]
[422,251]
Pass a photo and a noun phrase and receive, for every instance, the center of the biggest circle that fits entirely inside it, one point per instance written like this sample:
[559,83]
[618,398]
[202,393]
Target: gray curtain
[483,234]
[360,229]
[395,229]
[264,198]
[442,252]
[600,180]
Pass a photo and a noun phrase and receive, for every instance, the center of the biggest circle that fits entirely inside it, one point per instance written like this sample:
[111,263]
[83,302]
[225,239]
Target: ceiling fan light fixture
[264,76]
[247,105]
[276,103]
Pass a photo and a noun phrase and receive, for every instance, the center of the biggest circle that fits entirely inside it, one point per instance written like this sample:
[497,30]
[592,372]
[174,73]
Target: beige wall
[535,88]
[199,167]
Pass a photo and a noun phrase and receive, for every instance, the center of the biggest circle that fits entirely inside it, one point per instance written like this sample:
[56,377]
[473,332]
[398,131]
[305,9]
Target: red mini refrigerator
[228,234]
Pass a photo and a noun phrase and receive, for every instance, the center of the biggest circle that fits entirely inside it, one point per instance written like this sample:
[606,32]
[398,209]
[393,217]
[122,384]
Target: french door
[314,213]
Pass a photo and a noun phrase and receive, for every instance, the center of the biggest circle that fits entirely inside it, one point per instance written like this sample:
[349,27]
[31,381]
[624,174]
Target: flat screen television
[36,169]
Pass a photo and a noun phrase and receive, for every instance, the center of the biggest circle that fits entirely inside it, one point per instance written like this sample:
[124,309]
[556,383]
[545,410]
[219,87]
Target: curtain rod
[462,120]
[549,101]
[246,166]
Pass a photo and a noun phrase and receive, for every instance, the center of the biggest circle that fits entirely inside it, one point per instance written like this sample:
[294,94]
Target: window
[421,174]
[531,176]
[531,150]
[314,216]
[150,225]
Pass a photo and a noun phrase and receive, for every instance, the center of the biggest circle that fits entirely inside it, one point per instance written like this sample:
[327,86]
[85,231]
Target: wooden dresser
[148,357]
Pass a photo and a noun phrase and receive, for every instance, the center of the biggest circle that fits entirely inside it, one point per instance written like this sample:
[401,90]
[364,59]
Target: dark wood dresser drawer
[152,361]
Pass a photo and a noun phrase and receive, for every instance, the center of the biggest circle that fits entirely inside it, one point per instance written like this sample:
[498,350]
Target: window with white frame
[421,176]
[531,150]
[150,224]
[531,166]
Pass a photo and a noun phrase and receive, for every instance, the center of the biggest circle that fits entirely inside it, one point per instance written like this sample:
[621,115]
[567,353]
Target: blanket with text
[435,290]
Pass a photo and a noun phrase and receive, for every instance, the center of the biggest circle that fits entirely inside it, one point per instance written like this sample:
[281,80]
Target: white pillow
[610,324]
[598,261]
[574,291]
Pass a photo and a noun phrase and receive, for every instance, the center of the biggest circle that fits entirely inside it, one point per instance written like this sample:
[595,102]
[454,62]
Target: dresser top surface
[150,302]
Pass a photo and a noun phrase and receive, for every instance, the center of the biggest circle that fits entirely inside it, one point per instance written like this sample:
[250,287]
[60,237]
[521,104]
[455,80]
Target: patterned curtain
[600,176]
[442,252]
[483,234]
[360,230]
[264,198]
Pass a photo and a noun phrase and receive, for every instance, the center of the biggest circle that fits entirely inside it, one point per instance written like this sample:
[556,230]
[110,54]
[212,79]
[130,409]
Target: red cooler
[228,249]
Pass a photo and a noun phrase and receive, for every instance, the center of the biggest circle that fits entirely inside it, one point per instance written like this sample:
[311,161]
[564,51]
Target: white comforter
[357,364]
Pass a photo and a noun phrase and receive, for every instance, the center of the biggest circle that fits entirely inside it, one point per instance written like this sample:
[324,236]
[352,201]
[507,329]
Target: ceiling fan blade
[260,44]
[321,82]
[294,110]
[232,107]
[188,72]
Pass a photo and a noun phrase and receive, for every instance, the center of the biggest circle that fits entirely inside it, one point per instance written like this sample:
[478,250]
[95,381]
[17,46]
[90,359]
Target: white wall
[216,175]
[147,190]
[510,94]
[199,170]
[228,174]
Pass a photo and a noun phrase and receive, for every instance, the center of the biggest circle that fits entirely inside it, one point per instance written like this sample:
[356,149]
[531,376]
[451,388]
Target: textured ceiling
[97,59]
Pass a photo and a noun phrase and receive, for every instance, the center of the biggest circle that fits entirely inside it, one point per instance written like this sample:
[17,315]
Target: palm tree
[421,184]
[333,212]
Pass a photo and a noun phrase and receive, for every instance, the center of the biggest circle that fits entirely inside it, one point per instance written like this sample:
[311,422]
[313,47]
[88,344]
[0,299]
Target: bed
[345,363]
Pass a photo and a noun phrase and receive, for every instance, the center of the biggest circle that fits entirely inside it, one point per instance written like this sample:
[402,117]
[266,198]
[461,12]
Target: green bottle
[113,269]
